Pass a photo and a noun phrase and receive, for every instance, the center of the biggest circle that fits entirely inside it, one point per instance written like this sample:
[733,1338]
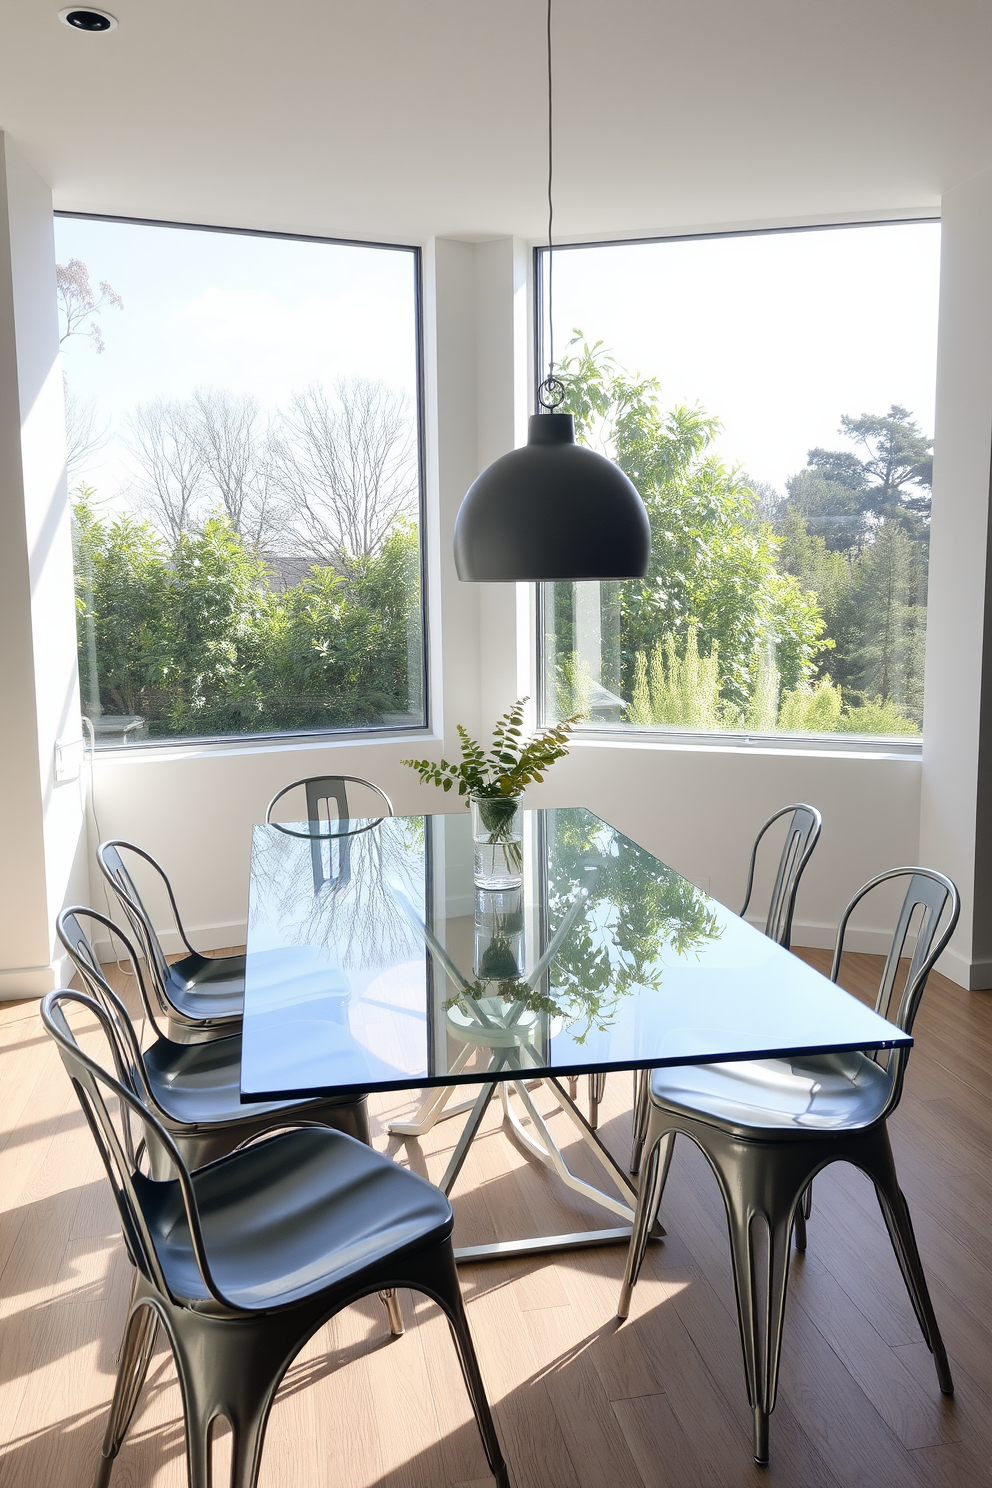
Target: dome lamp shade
[552,510]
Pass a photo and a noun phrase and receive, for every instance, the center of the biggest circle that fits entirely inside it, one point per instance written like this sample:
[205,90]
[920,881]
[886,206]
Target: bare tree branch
[84,437]
[164,441]
[346,466]
[235,446]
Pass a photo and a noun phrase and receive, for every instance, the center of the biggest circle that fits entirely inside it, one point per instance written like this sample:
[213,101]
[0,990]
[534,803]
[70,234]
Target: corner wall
[43,860]
[956,801]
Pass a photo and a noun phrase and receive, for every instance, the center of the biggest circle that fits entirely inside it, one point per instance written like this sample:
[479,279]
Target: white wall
[42,861]
[956,819]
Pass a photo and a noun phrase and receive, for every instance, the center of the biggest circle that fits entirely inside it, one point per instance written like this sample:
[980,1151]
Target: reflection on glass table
[386,969]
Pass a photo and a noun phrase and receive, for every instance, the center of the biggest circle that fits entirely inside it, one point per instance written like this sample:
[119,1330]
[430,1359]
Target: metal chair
[201,996]
[321,828]
[801,837]
[192,1090]
[319,791]
[243,1260]
[767,1128]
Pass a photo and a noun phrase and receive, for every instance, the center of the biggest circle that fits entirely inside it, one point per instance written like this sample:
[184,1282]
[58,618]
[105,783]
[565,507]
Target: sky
[777,334]
[254,315]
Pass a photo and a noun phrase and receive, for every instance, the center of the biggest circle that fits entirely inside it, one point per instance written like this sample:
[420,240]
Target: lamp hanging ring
[551,393]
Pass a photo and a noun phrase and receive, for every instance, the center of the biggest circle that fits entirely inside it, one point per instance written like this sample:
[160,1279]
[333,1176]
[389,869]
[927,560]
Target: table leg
[467,1137]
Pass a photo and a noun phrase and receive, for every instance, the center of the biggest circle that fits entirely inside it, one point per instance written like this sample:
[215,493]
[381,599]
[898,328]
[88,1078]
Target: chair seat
[208,986]
[200,1084]
[776,1098]
[291,1217]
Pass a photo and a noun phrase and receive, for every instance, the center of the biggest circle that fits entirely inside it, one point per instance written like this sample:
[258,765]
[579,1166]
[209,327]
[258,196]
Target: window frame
[898,745]
[373,732]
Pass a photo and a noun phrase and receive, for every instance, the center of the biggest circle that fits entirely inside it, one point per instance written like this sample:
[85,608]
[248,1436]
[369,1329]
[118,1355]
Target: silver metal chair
[201,996]
[330,835]
[319,792]
[802,833]
[243,1260]
[801,836]
[192,1090]
[766,1128]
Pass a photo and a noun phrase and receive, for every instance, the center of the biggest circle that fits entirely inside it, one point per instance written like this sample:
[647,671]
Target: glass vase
[497,827]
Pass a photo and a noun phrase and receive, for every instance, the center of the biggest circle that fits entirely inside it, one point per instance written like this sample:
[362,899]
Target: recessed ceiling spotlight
[87,20]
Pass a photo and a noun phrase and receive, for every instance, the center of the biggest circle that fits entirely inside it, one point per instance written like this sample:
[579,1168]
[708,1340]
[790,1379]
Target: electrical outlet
[68,759]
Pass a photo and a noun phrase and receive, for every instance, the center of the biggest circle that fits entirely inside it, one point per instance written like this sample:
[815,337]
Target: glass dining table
[374,963]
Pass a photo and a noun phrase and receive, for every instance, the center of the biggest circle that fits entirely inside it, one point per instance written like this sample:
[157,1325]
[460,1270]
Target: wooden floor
[580,1402]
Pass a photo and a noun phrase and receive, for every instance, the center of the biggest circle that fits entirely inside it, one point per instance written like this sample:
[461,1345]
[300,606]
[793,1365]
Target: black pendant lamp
[554,509]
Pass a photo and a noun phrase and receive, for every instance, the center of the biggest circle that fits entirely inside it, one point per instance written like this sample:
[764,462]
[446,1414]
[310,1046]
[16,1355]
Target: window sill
[820,746]
[148,750]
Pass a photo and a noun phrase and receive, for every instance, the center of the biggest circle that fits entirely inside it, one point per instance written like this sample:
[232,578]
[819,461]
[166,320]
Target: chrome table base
[535,1139]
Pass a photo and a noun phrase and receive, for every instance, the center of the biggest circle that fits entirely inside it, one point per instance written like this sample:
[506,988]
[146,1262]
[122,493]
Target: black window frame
[302,736]
[833,743]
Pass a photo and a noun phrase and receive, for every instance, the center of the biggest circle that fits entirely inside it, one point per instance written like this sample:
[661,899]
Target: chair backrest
[802,835]
[921,932]
[92,1083]
[117,1026]
[71,928]
[320,791]
[112,857]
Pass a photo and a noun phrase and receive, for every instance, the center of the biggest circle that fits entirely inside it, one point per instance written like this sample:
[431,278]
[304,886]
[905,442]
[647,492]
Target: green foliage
[632,914]
[511,764]
[876,716]
[822,710]
[196,641]
[215,632]
[712,569]
[121,581]
[343,652]
[740,624]
[812,710]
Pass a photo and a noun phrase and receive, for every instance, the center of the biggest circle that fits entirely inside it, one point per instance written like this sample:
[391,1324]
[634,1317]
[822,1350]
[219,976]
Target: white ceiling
[396,119]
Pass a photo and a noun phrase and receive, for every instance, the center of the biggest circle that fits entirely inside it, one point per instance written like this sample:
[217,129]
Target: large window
[245,474]
[771,395]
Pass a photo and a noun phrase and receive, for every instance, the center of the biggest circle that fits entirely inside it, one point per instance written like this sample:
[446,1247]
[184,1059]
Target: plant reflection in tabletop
[613,912]
[637,909]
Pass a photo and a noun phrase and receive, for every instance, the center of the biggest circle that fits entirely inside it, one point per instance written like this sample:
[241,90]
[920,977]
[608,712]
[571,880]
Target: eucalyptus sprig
[510,765]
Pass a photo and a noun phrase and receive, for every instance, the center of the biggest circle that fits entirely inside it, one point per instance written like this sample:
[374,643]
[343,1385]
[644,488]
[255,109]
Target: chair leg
[390,1300]
[898,1222]
[597,1089]
[232,1369]
[648,1204]
[802,1215]
[448,1293]
[758,1189]
[136,1352]
[642,1082]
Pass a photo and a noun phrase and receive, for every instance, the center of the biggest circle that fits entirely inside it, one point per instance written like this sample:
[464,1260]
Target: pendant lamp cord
[551,393]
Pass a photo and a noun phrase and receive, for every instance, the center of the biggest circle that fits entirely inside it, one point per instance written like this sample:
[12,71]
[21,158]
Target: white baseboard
[974,976]
[821,937]
[204,937]
[19,982]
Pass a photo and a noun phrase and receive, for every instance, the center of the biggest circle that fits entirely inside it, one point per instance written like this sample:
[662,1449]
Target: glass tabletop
[374,963]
